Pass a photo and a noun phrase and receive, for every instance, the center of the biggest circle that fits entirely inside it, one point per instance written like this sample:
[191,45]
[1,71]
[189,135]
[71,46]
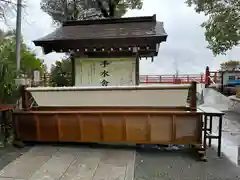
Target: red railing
[180,79]
[172,79]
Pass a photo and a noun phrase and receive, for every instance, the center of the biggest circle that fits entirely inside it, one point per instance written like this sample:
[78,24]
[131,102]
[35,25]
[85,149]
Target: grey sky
[185,48]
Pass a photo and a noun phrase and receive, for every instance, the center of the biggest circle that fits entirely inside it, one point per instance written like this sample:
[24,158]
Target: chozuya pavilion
[107,51]
[106,103]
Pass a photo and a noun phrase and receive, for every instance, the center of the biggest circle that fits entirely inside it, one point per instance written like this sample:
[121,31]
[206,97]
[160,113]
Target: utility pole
[18,33]
[18,81]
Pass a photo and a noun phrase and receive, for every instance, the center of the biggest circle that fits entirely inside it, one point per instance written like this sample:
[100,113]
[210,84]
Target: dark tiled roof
[106,29]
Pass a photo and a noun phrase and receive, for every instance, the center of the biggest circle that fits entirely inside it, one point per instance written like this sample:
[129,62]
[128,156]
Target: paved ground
[73,163]
[182,166]
[9,154]
[231,123]
[65,163]
[231,127]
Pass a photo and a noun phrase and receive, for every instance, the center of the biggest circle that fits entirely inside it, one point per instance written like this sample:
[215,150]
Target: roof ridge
[111,21]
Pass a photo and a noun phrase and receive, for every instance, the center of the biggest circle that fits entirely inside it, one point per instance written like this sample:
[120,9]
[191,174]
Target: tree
[61,73]
[8,9]
[8,88]
[29,62]
[229,65]
[5,35]
[82,9]
[223,24]
[8,71]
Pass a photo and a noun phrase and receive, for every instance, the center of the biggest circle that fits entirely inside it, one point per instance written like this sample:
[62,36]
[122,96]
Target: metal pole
[18,34]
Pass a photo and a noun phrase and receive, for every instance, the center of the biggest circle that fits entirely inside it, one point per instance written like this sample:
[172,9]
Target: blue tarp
[234,82]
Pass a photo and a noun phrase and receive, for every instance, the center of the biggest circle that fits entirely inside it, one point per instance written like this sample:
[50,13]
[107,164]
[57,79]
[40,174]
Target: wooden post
[193,96]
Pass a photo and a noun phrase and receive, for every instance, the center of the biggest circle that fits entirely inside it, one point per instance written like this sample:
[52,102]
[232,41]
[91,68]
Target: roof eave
[42,42]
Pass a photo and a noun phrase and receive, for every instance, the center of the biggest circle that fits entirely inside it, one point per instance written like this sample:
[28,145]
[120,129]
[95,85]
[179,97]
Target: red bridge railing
[172,79]
[181,78]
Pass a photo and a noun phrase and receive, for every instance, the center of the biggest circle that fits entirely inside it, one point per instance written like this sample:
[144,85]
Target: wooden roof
[102,36]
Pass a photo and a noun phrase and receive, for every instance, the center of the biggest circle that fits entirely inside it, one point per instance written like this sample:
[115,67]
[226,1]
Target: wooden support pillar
[193,96]
[137,74]
[73,69]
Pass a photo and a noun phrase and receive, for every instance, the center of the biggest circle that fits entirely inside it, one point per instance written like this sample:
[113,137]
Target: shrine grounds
[104,162]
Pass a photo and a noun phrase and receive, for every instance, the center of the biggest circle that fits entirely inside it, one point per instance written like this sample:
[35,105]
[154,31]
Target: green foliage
[8,88]
[229,65]
[8,71]
[29,63]
[61,73]
[223,25]
[79,9]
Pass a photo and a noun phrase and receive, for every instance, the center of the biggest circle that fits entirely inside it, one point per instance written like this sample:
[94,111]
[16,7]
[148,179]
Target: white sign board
[105,72]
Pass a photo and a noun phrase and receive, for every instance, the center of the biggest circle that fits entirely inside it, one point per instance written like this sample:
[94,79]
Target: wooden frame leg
[205,132]
[17,141]
[210,131]
[201,151]
[220,136]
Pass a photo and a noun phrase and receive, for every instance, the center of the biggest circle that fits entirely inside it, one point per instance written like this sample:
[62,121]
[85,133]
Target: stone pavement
[231,127]
[231,123]
[79,163]
[71,163]
[9,154]
[182,166]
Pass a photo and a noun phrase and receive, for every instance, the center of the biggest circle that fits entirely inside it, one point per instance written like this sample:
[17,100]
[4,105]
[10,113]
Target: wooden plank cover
[156,127]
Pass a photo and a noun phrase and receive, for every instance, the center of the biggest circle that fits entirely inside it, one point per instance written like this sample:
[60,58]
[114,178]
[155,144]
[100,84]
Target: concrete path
[65,163]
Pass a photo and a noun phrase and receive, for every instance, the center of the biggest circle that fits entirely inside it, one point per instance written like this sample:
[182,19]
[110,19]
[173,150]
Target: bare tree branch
[8,9]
